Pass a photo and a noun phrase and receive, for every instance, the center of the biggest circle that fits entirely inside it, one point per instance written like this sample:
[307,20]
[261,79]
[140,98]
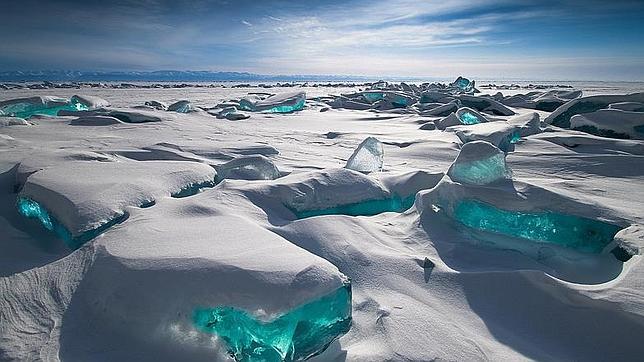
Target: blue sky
[553,40]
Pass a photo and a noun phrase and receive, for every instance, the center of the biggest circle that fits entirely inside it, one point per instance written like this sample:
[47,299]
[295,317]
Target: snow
[189,212]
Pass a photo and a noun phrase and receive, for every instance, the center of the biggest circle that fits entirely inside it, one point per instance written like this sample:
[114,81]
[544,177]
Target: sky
[490,39]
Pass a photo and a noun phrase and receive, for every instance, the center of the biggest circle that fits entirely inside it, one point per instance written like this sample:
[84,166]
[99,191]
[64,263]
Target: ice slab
[157,105]
[363,208]
[367,157]
[12,121]
[296,335]
[183,106]
[90,102]
[561,116]
[611,123]
[479,163]
[469,116]
[100,192]
[278,103]
[463,84]
[502,134]
[485,103]
[581,234]
[44,105]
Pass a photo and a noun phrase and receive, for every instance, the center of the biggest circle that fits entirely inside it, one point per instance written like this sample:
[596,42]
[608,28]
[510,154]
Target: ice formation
[463,84]
[183,106]
[502,134]
[479,163]
[294,336]
[27,107]
[157,105]
[580,234]
[232,114]
[612,123]
[543,101]
[485,103]
[367,157]
[278,103]
[371,207]
[255,167]
[89,102]
[561,116]
[12,121]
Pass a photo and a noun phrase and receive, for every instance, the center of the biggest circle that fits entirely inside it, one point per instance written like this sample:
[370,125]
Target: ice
[90,102]
[463,84]
[469,116]
[12,121]
[367,157]
[232,114]
[157,105]
[581,234]
[44,105]
[363,208]
[612,123]
[278,103]
[255,167]
[627,106]
[296,335]
[479,163]
[543,101]
[502,134]
[485,103]
[561,116]
[183,106]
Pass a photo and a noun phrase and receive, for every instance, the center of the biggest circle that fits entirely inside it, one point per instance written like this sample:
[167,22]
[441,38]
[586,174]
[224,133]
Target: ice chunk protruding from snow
[181,107]
[296,335]
[469,116]
[479,163]
[463,84]
[44,105]
[502,134]
[612,123]
[90,102]
[278,103]
[581,234]
[256,167]
[561,116]
[12,121]
[368,157]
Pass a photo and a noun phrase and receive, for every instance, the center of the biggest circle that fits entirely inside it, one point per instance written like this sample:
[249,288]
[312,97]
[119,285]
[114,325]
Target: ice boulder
[463,85]
[441,110]
[231,113]
[181,107]
[479,163]
[367,157]
[612,123]
[255,167]
[485,103]
[44,105]
[469,116]
[278,103]
[561,116]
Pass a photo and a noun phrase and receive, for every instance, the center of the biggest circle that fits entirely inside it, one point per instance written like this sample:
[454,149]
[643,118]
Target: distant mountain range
[162,76]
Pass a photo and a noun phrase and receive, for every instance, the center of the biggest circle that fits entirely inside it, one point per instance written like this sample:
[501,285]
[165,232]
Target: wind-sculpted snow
[130,232]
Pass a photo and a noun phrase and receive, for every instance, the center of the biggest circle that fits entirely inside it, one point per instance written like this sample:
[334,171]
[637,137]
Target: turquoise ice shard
[278,103]
[368,157]
[479,163]
[463,84]
[44,105]
[255,167]
[181,107]
[469,116]
[296,335]
[581,234]
[90,102]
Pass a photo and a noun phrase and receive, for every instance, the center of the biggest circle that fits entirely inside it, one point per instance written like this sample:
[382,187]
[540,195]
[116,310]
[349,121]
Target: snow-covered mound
[613,123]
[561,116]
[502,134]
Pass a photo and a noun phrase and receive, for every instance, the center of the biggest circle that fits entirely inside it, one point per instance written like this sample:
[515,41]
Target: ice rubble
[479,163]
[543,101]
[612,123]
[367,157]
[485,103]
[27,107]
[279,103]
[162,106]
[561,116]
[83,205]
[502,134]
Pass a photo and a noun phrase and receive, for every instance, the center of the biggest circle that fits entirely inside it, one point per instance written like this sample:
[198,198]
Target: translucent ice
[296,335]
[27,107]
[581,234]
[364,208]
[181,107]
[479,163]
[469,118]
[278,103]
[463,84]
[256,167]
[368,157]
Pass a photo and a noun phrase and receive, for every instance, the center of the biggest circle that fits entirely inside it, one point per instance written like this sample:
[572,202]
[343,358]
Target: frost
[368,157]
[296,335]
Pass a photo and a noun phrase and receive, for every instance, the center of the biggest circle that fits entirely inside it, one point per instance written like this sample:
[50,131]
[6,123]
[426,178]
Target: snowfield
[382,222]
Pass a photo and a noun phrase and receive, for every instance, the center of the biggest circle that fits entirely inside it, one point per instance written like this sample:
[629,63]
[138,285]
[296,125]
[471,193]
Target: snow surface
[424,286]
